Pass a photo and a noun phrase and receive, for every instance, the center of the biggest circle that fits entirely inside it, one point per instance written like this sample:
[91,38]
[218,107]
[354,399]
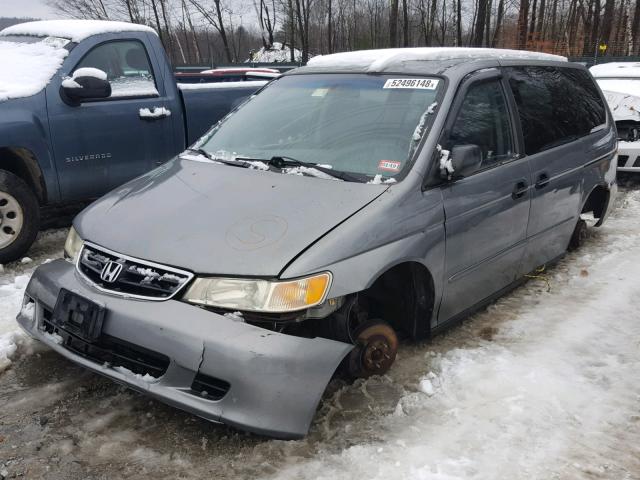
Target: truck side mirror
[85,84]
[465,159]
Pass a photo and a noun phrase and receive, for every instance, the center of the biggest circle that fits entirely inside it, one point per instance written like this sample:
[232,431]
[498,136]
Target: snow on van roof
[74,30]
[377,60]
[616,70]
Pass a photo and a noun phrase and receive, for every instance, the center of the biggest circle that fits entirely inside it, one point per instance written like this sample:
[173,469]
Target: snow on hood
[616,70]
[32,65]
[376,60]
[218,219]
[623,106]
[74,30]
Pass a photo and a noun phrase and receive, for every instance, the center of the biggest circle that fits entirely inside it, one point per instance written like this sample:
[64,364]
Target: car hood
[623,106]
[218,219]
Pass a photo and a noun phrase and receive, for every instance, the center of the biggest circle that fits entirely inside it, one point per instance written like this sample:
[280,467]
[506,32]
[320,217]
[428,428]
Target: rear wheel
[19,217]
[579,236]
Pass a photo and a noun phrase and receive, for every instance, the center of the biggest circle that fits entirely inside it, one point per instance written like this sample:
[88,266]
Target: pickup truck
[86,106]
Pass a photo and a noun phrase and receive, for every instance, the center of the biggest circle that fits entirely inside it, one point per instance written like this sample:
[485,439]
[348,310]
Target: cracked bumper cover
[276,380]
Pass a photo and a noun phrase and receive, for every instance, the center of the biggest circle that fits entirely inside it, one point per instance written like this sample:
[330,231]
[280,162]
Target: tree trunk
[330,27]
[481,14]
[393,24]
[523,18]
[405,24]
[459,23]
[496,33]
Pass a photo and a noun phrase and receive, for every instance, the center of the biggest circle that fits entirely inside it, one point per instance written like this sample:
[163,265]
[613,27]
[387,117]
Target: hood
[218,219]
[623,106]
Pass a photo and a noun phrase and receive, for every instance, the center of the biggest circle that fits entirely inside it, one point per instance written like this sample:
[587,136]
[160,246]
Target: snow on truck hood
[32,65]
[221,220]
[74,30]
[623,106]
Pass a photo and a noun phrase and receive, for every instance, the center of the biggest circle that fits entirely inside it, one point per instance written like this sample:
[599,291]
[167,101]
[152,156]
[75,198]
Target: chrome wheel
[11,219]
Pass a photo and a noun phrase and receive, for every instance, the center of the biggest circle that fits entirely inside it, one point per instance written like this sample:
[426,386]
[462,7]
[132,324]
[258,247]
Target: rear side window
[555,105]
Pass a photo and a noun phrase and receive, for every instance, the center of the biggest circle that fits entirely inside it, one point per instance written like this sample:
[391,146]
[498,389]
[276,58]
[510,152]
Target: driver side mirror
[85,84]
[465,159]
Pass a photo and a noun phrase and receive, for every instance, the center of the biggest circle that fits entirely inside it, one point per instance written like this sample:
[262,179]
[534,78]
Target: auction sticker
[425,83]
[389,165]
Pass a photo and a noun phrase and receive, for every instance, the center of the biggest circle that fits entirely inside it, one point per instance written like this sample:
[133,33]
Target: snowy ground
[542,385]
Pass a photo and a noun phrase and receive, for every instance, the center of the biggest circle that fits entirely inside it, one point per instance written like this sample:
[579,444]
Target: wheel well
[22,163]
[404,297]
[597,201]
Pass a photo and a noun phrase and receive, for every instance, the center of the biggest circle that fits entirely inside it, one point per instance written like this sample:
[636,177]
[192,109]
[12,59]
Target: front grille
[112,351]
[637,162]
[137,278]
[209,387]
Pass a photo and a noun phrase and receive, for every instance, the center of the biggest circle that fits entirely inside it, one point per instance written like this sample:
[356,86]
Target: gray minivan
[366,197]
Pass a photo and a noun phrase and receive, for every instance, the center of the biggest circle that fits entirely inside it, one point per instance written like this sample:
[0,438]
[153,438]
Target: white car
[620,83]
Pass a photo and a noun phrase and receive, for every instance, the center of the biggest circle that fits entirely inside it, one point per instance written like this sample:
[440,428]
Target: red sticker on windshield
[389,165]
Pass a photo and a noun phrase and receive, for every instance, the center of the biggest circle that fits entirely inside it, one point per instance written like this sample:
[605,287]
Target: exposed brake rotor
[376,345]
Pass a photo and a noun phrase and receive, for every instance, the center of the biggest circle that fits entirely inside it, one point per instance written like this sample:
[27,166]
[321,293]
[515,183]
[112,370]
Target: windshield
[362,124]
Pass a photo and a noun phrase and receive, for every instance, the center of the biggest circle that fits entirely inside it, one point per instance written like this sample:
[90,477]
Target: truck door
[486,211]
[101,144]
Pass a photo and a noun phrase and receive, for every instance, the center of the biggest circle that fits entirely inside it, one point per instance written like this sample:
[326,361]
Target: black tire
[579,236]
[17,188]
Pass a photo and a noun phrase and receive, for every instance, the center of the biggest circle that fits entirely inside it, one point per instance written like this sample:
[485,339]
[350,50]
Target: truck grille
[123,275]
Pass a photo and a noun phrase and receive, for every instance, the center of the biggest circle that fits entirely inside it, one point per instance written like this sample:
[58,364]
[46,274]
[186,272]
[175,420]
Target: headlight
[260,295]
[73,245]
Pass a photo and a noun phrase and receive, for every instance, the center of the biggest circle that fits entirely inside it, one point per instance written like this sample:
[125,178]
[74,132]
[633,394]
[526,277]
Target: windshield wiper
[281,162]
[233,163]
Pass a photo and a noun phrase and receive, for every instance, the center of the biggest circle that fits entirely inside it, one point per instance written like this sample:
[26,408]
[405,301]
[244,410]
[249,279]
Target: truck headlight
[260,295]
[73,245]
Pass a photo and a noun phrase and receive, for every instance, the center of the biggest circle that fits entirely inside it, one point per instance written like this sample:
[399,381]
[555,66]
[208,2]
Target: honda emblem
[111,271]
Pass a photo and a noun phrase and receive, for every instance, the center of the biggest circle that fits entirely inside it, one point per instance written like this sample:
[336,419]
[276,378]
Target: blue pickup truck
[86,106]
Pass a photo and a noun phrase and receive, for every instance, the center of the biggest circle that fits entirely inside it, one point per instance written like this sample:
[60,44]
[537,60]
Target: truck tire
[19,217]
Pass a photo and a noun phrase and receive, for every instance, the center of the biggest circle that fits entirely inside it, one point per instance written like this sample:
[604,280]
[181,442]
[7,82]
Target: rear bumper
[276,380]
[629,156]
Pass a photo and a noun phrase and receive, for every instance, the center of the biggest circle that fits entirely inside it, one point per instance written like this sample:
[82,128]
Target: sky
[26,8]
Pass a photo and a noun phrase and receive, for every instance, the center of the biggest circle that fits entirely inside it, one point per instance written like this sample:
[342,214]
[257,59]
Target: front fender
[24,124]
[396,228]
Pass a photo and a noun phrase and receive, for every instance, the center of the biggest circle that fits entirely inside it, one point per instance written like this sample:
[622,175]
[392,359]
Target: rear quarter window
[555,105]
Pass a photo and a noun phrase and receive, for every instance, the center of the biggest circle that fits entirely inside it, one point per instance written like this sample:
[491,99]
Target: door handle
[152,114]
[543,181]
[520,189]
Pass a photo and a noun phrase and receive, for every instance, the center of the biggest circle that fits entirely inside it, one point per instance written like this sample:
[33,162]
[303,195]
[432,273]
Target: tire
[19,217]
[579,236]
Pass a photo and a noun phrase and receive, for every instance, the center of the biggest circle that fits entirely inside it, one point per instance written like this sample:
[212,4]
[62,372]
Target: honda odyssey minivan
[366,197]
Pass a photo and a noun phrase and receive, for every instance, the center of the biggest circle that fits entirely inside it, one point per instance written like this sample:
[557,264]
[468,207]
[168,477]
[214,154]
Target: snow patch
[379,179]
[378,60]
[145,378]
[616,70]
[90,72]
[446,165]
[156,112]
[32,66]
[222,85]
[235,316]
[278,53]
[74,30]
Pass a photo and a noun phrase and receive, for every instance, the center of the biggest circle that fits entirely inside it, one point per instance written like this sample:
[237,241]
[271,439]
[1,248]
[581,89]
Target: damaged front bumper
[255,379]
[629,156]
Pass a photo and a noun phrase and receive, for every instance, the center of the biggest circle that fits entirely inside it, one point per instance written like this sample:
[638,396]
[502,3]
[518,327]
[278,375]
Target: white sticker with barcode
[426,83]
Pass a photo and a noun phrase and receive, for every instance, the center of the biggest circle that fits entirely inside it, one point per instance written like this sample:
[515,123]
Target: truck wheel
[579,236]
[19,217]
